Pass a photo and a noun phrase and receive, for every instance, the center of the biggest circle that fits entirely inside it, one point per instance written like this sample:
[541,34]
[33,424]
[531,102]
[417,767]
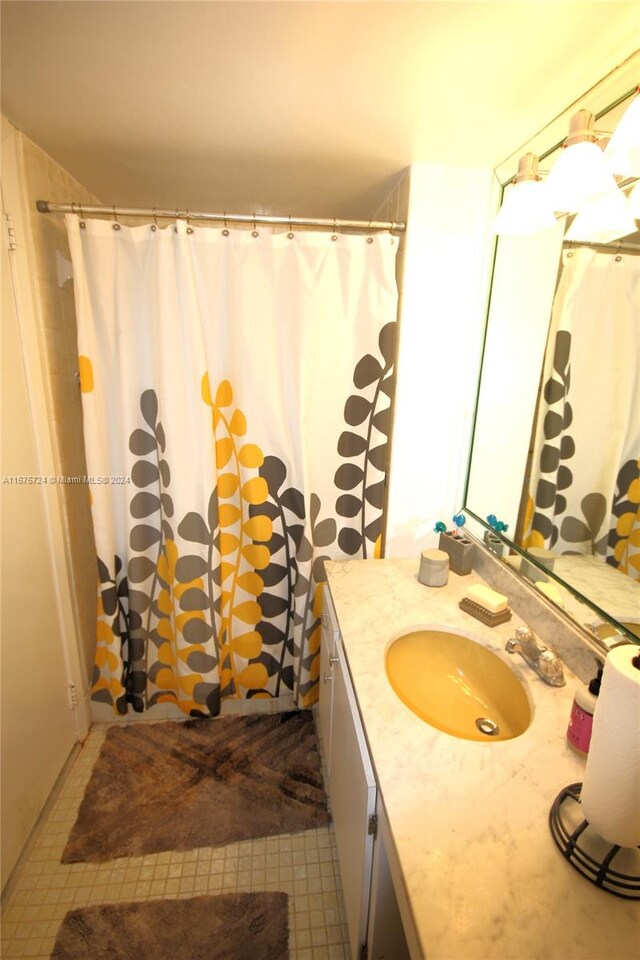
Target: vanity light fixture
[622,153]
[580,175]
[607,218]
[634,202]
[525,209]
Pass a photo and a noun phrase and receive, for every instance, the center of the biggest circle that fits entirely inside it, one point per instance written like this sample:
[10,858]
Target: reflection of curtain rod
[607,247]
[44,206]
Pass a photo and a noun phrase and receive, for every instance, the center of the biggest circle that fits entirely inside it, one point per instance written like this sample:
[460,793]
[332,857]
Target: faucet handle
[529,642]
[551,669]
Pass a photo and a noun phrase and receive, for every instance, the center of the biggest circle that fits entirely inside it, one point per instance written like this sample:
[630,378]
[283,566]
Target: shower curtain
[585,479]
[236,392]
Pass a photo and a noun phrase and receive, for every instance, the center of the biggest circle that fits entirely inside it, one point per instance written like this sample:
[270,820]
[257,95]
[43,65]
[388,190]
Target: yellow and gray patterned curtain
[585,478]
[236,395]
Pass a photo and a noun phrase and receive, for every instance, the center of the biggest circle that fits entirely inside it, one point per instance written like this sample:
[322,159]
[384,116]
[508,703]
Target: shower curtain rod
[606,247]
[46,206]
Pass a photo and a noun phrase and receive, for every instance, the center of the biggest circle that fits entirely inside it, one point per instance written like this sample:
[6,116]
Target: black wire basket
[612,868]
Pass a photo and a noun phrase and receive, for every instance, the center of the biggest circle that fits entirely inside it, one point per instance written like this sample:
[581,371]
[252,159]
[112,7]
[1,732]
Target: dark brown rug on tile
[230,926]
[201,783]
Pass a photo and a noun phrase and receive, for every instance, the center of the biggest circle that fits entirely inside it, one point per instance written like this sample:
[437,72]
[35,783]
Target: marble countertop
[479,871]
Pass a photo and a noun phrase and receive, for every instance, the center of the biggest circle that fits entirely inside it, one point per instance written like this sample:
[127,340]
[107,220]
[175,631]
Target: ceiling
[298,108]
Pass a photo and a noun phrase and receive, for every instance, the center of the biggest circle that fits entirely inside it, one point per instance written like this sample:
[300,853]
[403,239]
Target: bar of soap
[490,599]
[551,591]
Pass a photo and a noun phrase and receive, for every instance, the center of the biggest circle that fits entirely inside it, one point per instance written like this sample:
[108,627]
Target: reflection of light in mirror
[622,153]
[607,219]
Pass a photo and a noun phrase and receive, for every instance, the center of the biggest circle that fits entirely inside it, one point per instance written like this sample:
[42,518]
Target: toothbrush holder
[493,542]
[460,550]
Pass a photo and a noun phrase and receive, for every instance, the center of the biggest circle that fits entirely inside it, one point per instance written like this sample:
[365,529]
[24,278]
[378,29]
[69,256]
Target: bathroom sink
[458,686]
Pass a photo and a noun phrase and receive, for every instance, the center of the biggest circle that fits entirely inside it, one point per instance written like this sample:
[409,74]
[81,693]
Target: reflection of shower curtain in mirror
[584,486]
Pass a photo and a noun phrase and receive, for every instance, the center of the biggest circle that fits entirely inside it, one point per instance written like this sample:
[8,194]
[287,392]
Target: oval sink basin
[457,686]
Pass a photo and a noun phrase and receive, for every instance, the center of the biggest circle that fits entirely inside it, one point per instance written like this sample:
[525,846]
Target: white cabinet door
[327,647]
[385,937]
[353,801]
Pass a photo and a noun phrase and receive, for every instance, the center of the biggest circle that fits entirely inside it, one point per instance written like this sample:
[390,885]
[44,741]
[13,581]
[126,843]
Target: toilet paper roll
[611,789]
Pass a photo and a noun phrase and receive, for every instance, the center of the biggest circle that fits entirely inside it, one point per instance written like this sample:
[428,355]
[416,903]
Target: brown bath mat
[201,783]
[230,926]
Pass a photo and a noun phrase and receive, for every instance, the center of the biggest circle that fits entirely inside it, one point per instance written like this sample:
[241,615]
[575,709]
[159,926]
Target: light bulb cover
[633,202]
[622,153]
[524,211]
[606,219]
[578,177]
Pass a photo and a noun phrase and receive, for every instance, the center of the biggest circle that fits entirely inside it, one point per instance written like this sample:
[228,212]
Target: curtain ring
[115,224]
[290,234]
[370,238]
[334,235]
[82,224]
[254,232]
[73,210]
[189,228]
[225,232]
[154,225]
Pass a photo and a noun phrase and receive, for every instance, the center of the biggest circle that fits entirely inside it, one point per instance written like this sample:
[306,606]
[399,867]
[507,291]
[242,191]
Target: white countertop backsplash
[469,820]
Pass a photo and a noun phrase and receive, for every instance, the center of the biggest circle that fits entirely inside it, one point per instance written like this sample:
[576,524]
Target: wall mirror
[556,445]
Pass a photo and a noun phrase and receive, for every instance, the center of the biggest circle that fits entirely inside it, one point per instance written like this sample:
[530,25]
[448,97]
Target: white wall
[39,654]
[47,247]
[447,266]
[37,723]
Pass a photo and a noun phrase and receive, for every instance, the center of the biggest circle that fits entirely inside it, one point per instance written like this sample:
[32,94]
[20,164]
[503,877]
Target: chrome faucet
[540,658]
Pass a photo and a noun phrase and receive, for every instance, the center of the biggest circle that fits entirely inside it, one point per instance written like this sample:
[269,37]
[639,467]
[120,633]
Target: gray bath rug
[201,783]
[230,926]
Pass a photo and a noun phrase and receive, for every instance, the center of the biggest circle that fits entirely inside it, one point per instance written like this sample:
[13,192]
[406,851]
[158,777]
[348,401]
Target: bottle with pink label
[581,719]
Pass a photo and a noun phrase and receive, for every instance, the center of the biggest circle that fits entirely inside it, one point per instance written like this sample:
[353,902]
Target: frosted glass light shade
[622,153]
[606,219]
[578,177]
[525,210]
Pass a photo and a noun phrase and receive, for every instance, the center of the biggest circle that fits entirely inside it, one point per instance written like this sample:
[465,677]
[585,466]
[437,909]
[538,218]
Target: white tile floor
[42,890]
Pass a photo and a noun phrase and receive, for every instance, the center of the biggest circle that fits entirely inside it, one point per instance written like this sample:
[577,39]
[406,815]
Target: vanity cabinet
[375,929]
[330,634]
[352,788]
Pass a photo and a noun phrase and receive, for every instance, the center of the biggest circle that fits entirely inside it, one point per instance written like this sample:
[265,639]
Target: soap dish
[485,616]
